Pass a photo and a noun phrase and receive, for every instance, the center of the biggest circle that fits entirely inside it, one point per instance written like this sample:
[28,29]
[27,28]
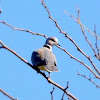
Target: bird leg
[49,74]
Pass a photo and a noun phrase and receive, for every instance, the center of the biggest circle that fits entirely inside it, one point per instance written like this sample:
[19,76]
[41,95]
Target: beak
[58,44]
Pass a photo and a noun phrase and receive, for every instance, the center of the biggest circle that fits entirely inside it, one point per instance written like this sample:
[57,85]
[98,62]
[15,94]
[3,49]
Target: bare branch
[78,20]
[41,73]
[82,24]
[96,44]
[78,17]
[80,62]
[43,3]
[65,89]
[89,79]
[20,29]
[91,48]
[7,95]
[52,93]
[89,41]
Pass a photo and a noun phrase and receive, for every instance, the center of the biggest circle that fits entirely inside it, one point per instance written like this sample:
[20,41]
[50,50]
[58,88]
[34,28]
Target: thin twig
[43,3]
[41,73]
[7,95]
[78,48]
[78,14]
[52,93]
[20,29]
[82,24]
[89,79]
[64,92]
[78,20]
[89,42]
[96,44]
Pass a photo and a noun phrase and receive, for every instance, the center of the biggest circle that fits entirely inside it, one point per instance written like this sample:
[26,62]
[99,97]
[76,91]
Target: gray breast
[51,64]
[44,56]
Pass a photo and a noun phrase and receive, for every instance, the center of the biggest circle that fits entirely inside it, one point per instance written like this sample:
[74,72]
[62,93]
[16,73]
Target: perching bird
[43,58]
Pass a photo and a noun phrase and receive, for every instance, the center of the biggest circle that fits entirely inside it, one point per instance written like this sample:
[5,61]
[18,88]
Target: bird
[43,58]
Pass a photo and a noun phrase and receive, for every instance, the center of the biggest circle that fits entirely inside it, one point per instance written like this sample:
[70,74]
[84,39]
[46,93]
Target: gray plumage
[43,58]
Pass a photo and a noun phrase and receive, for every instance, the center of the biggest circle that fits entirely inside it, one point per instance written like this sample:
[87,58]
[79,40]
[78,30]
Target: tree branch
[82,24]
[80,62]
[52,93]
[65,89]
[20,29]
[84,76]
[96,44]
[7,95]
[36,69]
[78,20]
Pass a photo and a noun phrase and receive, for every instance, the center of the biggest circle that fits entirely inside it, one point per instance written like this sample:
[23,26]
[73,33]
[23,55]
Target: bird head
[52,41]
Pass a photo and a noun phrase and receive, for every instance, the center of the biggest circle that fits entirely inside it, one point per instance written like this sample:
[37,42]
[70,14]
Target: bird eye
[53,40]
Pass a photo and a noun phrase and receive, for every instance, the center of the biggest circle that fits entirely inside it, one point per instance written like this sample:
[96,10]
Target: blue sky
[22,82]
